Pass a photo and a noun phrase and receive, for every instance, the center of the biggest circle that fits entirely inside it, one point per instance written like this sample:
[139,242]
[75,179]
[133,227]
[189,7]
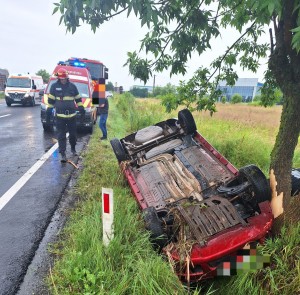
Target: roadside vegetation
[243,134]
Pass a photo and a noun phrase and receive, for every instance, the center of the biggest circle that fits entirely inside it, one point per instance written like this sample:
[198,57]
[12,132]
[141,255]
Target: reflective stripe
[86,103]
[78,96]
[66,116]
[66,98]
[51,96]
[79,104]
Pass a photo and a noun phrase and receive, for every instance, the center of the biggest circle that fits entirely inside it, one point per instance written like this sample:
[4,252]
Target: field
[129,265]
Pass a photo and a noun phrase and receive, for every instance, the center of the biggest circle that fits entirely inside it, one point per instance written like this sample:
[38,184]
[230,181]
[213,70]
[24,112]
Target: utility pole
[153,84]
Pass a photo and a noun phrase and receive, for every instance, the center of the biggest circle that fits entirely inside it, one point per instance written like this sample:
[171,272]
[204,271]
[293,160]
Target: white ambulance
[23,89]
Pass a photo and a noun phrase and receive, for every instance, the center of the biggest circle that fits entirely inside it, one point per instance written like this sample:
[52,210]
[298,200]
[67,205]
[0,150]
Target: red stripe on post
[106,203]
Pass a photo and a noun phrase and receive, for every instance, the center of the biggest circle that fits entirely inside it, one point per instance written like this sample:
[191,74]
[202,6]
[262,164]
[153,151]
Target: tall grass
[129,265]
[135,113]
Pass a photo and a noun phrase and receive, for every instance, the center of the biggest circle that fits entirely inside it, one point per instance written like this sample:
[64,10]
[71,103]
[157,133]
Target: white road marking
[5,115]
[4,199]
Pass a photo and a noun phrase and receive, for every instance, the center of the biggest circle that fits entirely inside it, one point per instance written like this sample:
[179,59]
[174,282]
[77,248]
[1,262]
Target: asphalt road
[31,187]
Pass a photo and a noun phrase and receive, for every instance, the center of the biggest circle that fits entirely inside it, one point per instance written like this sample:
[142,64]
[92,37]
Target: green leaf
[55,10]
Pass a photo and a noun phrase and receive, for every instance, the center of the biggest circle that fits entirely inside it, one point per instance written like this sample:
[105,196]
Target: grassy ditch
[129,265]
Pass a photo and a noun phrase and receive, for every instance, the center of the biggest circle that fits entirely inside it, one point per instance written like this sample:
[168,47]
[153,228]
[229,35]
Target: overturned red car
[200,210]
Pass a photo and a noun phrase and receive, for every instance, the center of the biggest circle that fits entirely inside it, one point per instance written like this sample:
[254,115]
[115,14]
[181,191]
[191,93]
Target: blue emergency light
[79,64]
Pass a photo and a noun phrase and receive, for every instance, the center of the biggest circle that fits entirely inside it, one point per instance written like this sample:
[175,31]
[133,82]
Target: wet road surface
[30,206]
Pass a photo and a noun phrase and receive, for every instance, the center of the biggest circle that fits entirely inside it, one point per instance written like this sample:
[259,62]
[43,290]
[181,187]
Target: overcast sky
[31,39]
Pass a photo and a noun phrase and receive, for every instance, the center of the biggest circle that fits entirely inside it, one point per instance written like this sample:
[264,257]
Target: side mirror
[4,85]
[105,75]
[33,86]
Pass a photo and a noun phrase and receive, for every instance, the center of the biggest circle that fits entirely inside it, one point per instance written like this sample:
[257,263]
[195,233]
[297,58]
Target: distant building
[246,87]
[3,77]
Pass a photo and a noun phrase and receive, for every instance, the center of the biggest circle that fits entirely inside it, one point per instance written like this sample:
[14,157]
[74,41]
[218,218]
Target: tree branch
[230,48]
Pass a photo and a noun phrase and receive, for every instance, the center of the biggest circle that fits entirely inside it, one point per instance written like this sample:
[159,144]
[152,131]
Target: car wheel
[186,121]
[118,150]
[154,225]
[8,103]
[33,102]
[259,183]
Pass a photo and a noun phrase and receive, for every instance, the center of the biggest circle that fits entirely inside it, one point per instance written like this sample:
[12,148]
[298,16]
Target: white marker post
[107,215]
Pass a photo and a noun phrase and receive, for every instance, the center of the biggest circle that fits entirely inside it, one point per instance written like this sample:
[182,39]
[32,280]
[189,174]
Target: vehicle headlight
[26,94]
[6,94]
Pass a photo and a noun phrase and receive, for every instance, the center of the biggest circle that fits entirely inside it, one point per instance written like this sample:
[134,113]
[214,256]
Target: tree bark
[287,137]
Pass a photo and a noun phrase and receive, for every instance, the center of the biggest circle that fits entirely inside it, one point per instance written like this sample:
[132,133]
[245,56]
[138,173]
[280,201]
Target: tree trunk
[286,140]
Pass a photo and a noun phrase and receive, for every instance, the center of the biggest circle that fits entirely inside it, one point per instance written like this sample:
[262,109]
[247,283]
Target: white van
[23,89]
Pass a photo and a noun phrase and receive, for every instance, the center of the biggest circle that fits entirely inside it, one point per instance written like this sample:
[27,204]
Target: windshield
[18,82]
[96,70]
[83,88]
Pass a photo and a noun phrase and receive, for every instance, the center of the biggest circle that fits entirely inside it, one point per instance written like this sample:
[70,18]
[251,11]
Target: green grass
[129,265]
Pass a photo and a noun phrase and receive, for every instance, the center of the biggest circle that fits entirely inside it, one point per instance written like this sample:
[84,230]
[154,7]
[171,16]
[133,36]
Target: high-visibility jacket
[63,98]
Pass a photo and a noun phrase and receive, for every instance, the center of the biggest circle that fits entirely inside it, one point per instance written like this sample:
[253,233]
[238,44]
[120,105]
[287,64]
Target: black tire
[187,122]
[259,183]
[8,103]
[154,225]
[32,102]
[118,150]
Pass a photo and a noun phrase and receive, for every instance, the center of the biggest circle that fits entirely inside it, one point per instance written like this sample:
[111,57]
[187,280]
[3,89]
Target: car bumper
[18,100]
[85,121]
[223,247]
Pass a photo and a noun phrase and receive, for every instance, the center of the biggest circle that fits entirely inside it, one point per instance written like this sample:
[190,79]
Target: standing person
[63,95]
[103,112]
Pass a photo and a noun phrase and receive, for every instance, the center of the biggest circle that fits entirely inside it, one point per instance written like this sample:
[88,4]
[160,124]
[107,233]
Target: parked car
[198,207]
[108,94]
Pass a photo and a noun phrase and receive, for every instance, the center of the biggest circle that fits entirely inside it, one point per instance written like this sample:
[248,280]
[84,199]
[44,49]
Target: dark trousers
[64,125]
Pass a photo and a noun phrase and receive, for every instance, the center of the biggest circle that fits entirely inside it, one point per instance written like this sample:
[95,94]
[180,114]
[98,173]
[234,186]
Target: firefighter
[63,95]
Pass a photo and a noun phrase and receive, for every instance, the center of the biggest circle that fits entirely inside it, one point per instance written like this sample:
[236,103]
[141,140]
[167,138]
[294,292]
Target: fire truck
[99,74]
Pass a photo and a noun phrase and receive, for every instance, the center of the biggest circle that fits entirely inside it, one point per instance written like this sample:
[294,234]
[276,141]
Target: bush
[236,98]
[139,92]
[257,97]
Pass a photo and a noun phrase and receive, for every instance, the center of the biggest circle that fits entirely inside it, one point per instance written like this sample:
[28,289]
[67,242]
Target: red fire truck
[99,74]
